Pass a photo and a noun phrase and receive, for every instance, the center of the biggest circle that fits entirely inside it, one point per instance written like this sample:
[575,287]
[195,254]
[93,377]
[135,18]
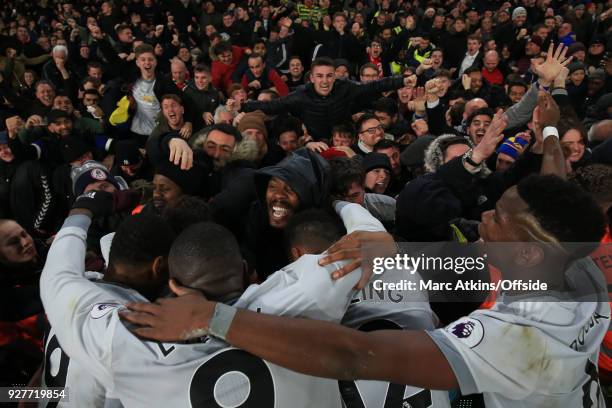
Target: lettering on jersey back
[579,341]
[165,351]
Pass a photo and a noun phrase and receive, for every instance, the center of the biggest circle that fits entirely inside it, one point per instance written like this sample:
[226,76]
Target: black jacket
[201,101]
[427,204]
[307,174]
[321,113]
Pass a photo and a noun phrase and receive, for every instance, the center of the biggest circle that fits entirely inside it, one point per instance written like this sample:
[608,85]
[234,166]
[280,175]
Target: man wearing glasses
[369,132]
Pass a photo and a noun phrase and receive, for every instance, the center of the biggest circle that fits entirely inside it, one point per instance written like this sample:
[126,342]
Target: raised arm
[69,298]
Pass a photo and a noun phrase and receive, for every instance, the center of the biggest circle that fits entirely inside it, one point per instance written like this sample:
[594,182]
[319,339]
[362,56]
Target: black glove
[100,203]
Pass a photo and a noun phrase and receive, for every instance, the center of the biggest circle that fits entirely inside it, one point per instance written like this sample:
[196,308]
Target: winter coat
[320,113]
[307,174]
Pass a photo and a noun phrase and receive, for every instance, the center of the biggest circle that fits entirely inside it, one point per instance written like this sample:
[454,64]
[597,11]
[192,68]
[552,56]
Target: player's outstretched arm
[308,346]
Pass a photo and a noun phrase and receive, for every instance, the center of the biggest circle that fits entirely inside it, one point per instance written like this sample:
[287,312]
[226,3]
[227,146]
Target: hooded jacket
[308,175]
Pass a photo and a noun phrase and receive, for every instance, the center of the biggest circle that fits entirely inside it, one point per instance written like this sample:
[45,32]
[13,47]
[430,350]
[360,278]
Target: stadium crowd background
[194,111]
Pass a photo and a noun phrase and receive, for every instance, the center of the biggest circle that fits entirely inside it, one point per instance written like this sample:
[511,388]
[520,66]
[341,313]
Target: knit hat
[576,66]
[190,181]
[575,47]
[127,153]
[372,161]
[519,11]
[56,114]
[4,137]
[72,148]
[341,62]
[598,39]
[434,155]
[513,147]
[599,73]
[254,120]
[90,172]
[537,41]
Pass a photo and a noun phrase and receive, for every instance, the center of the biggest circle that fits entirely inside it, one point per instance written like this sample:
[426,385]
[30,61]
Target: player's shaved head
[312,232]
[138,254]
[206,256]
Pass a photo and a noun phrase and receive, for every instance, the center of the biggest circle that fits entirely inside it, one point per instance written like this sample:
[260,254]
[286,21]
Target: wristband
[221,320]
[550,131]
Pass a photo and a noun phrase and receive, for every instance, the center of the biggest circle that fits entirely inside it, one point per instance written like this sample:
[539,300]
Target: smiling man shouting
[299,182]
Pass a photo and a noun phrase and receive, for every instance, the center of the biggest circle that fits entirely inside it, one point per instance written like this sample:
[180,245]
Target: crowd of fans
[249,113]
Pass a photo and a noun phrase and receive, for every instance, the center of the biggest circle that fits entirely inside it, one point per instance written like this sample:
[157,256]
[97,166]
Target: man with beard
[299,182]
[43,142]
[170,183]
[464,354]
[212,150]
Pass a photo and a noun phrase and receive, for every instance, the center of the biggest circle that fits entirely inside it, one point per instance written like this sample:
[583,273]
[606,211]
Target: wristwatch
[467,158]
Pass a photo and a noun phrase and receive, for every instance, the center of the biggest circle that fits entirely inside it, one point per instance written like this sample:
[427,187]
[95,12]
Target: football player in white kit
[312,232]
[84,316]
[519,353]
[142,243]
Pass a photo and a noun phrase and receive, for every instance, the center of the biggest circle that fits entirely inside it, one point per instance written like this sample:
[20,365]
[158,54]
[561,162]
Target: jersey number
[395,392]
[59,379]
[232,378]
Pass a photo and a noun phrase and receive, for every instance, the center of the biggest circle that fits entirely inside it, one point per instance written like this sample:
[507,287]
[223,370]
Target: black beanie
[72,148]
[190,181]
[374,160]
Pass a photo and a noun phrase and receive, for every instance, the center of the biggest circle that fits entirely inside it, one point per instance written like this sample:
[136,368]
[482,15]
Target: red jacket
[222,73]
[272,80]
[494,78]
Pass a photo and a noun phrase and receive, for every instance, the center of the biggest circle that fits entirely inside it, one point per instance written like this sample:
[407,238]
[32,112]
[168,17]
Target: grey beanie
[519,11]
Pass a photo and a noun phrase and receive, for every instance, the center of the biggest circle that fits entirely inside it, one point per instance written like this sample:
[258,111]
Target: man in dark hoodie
[299,182]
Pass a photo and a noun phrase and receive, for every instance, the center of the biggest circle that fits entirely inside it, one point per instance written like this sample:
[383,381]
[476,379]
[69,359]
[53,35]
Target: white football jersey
[84,390]
[142,373]
[533,353]
[372,310]
[209,374]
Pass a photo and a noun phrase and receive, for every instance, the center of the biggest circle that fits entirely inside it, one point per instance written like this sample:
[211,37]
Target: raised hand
[185,131]
[317,146]
[419,99]
[491,139]
[555,61]
[561,78]
[432,88]
[545,114]
[180,153]
[466,81]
